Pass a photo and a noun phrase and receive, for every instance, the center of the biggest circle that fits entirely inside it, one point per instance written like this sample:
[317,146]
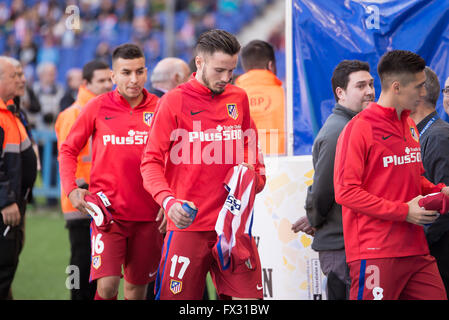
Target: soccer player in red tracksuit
[196,138]
[378,181]
[118,122]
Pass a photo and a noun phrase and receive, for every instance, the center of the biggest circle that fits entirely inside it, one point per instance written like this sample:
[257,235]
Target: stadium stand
[39,31]
[112,22]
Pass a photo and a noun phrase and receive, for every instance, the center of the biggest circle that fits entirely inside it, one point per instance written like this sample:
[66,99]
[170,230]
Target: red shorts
[186,259]
[135,245]
[405,278]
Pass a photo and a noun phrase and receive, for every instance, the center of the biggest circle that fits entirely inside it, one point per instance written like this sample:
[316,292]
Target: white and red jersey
[119,135]
[234,245]
[196,137]
[378,169]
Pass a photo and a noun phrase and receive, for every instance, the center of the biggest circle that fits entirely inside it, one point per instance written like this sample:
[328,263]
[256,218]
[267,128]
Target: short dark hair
[90,67]
[399,63]
[127,51]
[217,40]
[340,76]
[257,54]
[432,86]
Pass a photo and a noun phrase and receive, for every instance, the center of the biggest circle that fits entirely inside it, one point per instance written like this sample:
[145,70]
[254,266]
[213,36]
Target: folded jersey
[435,201]
[101,214]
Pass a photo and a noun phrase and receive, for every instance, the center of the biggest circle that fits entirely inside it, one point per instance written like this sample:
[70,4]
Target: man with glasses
[434,141]
[445,92]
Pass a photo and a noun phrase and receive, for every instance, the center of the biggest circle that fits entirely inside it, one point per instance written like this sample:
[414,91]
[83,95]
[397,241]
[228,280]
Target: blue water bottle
[191,212]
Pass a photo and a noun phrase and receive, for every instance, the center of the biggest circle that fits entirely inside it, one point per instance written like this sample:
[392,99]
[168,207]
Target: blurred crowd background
[53,39]
[52,48]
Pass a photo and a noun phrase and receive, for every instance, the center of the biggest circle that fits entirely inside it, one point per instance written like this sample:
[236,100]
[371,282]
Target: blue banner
[326,32]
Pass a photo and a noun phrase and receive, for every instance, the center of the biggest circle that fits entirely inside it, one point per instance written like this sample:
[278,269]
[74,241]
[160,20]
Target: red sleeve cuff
[403,210]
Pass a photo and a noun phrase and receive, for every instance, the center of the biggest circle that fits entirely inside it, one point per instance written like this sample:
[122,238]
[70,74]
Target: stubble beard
[208,85]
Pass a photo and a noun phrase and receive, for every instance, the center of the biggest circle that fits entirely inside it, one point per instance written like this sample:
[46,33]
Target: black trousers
[79,236]
[10,247]
[440,250]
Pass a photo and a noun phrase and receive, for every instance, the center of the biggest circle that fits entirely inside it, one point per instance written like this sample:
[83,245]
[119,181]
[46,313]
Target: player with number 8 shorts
[385,244]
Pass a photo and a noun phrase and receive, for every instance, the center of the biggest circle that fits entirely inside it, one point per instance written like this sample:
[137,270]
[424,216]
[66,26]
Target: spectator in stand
[103,52]
[11,46]
[49,93]
[28,50]
[30,105]
[48,51]
[74,80]
[38,27]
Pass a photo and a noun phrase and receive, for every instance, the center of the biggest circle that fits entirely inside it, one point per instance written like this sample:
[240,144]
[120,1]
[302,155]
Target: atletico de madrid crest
[147,117]
[232,110]
[175,286]
[414,134]
[96,262]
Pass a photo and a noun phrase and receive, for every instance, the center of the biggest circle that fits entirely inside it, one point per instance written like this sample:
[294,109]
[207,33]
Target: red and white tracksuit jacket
[378,169]
[195,138]
[119,134]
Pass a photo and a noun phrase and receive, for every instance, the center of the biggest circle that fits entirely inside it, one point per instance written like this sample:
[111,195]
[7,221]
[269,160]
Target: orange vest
[15,145]
[16,137]
[63,124]
[267,106]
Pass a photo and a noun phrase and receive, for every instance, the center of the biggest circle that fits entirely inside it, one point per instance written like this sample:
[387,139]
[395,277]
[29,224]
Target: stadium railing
[49,188]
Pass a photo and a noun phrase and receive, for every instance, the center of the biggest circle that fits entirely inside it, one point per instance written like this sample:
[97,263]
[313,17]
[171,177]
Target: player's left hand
[161,216]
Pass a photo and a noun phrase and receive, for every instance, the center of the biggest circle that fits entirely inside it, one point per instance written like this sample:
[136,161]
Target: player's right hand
[418,215]
[179,217]
[11,215]
[76,197]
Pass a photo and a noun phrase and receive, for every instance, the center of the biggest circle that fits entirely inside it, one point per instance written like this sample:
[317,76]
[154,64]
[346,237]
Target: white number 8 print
[97,244]
[185,263]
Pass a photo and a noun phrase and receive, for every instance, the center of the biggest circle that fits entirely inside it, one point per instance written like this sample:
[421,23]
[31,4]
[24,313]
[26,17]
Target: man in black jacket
[434,141]
[16,176]
[352,85]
